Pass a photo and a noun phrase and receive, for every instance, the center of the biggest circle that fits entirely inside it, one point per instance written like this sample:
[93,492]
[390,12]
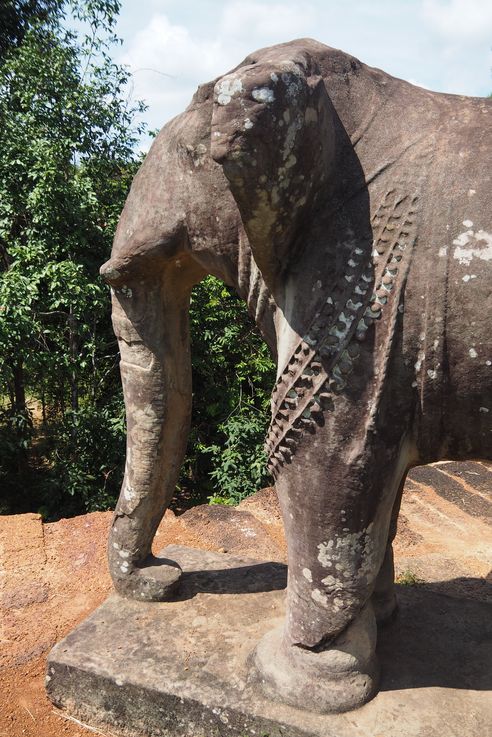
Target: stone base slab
[181,668]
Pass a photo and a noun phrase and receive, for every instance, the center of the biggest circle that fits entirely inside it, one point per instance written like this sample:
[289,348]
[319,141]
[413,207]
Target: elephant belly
[448,341]
[468,417]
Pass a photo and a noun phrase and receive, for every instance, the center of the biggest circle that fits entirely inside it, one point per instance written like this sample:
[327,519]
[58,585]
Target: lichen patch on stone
[472,244]
[263,94]
[227,88]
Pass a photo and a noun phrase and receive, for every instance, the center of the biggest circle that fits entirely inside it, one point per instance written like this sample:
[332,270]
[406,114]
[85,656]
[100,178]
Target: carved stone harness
[307,388]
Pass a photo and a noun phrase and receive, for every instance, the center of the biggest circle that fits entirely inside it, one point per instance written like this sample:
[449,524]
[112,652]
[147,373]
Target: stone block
[183,668]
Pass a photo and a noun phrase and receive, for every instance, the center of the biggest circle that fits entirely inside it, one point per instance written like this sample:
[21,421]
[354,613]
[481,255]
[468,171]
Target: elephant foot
[339,678]
[385,607]
[154,579]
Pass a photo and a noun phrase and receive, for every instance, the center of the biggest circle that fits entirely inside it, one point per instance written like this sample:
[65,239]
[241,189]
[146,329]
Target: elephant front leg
[336,516]
[151,323]
[151,472]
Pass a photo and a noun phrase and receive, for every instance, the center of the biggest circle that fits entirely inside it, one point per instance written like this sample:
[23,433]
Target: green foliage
[67,142]
[66,160]
[408,578]
[82,466]
[16,16]
[233,375]
[239,465]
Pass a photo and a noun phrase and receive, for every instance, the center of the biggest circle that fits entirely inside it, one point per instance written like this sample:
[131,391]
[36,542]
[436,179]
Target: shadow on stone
[463,587]
[215,575]
[437,640]
[464,484]
[251,579]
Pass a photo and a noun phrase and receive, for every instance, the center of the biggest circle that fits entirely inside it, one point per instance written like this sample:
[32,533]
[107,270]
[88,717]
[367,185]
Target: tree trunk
[73,342]
[19,405]
[20,417]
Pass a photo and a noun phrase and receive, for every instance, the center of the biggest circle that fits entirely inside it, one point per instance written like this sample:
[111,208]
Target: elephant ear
[273,133]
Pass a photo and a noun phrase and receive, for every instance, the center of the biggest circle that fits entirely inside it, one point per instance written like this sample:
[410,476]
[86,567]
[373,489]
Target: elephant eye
[185,150]
[192,154]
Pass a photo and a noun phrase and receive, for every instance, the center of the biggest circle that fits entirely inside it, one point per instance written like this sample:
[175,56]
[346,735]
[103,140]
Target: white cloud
[459,20]
[168,60]
[265,20]
[170,50]
[167,63]
[444,44]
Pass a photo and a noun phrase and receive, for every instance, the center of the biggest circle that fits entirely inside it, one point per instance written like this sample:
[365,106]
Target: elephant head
[273,133]
[295,178]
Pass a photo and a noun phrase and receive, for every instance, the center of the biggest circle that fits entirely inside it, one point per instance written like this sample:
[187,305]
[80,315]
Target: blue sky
[171,46]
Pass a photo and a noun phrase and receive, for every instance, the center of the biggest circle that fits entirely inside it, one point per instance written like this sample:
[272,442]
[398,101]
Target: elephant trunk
[150,319]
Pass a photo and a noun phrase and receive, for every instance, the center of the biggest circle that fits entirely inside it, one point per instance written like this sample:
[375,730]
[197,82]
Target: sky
[172,46]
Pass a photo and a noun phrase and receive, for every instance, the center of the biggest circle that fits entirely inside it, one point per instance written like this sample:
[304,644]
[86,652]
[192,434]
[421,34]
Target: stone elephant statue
[349,209]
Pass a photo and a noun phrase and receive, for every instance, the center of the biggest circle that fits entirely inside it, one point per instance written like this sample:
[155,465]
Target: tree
[233,375]
[67,143]
[17,16]
[67,157]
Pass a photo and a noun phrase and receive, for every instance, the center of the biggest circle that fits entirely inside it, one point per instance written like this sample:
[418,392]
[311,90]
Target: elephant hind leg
[384,599]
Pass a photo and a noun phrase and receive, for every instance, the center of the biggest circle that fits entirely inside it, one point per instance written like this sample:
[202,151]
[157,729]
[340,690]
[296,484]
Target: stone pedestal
[183,667]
